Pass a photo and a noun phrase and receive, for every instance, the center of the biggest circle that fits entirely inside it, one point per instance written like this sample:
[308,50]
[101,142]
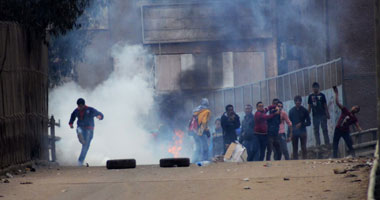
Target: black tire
[175,162]
[121,164]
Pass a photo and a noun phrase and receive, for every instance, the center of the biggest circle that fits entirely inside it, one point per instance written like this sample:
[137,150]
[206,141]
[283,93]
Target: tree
[41,16]
[64,21]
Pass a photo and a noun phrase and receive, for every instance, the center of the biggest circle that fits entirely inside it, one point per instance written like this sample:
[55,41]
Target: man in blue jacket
[85,126]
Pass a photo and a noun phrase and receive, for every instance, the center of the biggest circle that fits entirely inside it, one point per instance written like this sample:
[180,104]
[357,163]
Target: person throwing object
[342,129]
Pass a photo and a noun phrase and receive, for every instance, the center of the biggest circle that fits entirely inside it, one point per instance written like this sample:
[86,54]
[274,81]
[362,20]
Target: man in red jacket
[85,126]
[342,129]
[261,127]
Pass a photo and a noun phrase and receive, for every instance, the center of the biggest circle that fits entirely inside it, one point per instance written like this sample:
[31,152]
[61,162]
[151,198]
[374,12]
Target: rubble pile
[319,152]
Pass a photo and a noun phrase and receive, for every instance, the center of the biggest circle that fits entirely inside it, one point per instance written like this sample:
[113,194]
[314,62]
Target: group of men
[264,132]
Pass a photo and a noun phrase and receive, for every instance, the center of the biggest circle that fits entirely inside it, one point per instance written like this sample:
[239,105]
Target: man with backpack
[199,129]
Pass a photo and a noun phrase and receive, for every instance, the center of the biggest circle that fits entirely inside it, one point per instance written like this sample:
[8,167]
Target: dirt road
[306,179]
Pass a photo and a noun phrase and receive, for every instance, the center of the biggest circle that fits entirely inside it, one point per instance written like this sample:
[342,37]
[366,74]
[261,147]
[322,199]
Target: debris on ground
[286,179]
[340,171]
[327,191]
[63,190]
[246,179]
[267,165]
[1,196]
[31,169]
[26,182]
[356,180]
[6,181]
[247,187]
[219,158]
[319,152]
[9,175]
[350,176]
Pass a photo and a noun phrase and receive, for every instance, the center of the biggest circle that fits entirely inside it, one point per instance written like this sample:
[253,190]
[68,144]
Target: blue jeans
[320,121]
[263,141]
[85,136]
[346,137]
[273,145]
[201,148]
[253,148]
[284,146]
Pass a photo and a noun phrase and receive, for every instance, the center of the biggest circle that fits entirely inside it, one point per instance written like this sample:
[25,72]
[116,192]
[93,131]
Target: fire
[176,148]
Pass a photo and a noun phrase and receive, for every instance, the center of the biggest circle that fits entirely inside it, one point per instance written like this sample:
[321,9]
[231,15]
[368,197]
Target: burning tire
[121,164]
[175,162]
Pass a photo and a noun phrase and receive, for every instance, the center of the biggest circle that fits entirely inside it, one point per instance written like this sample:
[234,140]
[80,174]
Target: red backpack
[193,126]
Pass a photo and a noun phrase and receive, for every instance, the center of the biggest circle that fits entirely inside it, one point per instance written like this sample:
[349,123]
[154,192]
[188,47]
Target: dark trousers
[85,136]
[303,138]
[262,141]
[253,148]
[217,146]
[284,146]
[273,145]
[201,148]
[347,138]
[320,121]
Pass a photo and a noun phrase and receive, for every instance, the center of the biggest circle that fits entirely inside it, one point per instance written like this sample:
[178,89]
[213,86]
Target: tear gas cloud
[126,99]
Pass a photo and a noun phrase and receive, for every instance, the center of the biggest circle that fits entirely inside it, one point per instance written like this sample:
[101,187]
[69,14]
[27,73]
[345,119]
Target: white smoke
[125,99]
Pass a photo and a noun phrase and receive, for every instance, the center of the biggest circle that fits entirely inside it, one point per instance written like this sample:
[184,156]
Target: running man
[85,126]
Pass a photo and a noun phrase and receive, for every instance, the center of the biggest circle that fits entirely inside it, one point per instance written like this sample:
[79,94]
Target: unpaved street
[259,180]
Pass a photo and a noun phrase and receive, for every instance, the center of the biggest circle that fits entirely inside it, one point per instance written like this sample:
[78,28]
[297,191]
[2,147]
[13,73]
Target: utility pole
[377,46]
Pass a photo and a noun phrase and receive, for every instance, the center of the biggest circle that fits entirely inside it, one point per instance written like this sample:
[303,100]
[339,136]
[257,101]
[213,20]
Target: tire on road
[121,164]
[175,162]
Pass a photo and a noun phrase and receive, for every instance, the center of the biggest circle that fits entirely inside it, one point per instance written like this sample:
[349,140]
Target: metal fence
[365,142]
[284,87]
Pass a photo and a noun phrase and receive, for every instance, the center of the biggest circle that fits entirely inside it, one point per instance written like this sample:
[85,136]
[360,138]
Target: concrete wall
[208,70]
[327,30]
[229,63]
[354,41]
[191,21]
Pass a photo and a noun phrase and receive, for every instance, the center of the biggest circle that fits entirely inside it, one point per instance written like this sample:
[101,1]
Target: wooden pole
[377,46]
[52,138]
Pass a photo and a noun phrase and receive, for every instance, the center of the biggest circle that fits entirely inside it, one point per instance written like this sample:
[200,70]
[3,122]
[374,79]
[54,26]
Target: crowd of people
[270,128]
[266,131]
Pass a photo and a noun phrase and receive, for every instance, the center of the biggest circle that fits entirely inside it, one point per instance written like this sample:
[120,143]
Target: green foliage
[66,51]
[65,21]
[56,16]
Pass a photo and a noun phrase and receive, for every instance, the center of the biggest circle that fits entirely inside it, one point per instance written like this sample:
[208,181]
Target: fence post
[303,82]
[52,138]
[283,88]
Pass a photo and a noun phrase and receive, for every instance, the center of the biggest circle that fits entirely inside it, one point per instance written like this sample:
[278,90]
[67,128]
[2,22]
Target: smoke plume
[126,99]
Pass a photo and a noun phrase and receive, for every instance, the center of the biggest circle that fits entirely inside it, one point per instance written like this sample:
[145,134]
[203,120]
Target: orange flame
[176,148]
